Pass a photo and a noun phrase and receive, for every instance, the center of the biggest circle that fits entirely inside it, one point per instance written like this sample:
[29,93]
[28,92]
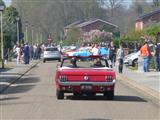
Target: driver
[97,63]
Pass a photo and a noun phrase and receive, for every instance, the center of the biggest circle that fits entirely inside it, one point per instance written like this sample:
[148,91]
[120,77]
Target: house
[88,25]
[147,19]
[92,24]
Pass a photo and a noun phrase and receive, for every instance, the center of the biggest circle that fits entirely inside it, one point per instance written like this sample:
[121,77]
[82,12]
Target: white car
[131,59]
[51,53]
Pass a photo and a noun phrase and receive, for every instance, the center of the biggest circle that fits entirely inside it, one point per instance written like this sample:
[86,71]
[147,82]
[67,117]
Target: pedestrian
[112,54]
[26,54]
[31,52]
[120,56]
[146,55]
[156,54]
[18,53]
[39,50]
[95,50]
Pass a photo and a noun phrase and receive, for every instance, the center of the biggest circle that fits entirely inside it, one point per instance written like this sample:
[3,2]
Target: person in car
[73,62]
[97,63]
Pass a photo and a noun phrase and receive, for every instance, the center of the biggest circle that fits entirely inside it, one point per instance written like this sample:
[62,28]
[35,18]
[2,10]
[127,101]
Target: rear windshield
[84,63]
[51,49]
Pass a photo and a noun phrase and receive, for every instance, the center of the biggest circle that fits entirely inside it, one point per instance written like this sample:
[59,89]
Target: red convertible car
[85,76]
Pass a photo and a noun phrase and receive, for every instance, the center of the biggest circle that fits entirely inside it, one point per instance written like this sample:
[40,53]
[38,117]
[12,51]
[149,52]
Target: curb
[12,82]
[143,89]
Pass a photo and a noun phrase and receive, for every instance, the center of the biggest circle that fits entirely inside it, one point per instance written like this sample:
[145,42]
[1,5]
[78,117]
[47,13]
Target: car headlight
[63,78]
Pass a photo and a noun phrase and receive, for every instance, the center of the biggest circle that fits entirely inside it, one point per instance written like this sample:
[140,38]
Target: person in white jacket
[18,53]
[95,50]
[120,56]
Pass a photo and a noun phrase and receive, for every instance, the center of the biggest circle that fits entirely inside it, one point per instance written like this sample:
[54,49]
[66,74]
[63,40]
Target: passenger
[73,62]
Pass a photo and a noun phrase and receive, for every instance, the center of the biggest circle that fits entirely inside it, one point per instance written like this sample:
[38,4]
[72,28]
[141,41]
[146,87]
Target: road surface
[33,98]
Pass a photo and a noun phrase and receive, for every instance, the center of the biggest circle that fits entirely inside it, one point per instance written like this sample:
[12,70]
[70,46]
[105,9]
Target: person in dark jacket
[26,54]
[156,54]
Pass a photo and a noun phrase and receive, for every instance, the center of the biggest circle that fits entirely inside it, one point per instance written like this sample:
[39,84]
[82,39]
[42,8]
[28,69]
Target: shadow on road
[94,119]
[121,98]
[8,98]
[5,69]
[22,85]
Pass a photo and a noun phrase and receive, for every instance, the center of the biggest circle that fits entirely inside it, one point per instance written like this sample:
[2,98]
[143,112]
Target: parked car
[51,53]
[131,59]
[85,77]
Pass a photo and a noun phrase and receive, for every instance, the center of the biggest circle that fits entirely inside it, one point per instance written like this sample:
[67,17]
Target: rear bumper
[88,83]
[53,58]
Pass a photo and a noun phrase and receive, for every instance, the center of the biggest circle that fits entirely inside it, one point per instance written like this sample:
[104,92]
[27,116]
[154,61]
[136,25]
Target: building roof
[85,23]
[148,14]
[74,24]
[93,21]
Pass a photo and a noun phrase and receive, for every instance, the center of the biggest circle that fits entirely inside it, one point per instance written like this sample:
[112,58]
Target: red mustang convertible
[85,76]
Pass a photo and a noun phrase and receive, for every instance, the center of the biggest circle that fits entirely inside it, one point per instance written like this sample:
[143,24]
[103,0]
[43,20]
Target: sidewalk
[148,82]
[13,72]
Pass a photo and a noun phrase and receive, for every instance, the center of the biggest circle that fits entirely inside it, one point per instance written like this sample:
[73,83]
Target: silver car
[51,53]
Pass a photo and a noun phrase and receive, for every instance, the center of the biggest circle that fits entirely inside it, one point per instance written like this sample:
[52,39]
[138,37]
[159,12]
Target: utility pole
[2,44]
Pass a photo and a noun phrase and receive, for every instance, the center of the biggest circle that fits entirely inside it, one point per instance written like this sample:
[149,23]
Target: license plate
[86,87]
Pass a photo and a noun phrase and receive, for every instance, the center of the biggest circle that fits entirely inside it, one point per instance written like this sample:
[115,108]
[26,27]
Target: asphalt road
[33,98]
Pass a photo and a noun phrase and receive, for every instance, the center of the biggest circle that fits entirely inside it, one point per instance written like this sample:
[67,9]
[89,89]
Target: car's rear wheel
[59,94]
[44,60]
[134,63]
[59,60]
[109,95]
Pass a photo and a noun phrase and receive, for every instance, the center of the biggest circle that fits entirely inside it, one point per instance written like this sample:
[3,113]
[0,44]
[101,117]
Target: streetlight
[17,19]
[2,47]
[26,27]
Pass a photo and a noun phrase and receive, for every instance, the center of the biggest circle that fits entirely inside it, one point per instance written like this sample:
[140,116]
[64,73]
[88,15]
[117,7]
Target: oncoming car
[51,53]
[85,77]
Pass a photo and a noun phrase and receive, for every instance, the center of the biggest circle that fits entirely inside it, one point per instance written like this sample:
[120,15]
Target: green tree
[51,16]
[152,30]
[73,37]
[10,27]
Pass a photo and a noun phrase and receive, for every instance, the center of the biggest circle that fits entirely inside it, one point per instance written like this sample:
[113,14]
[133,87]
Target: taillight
[109,78]
[63,78]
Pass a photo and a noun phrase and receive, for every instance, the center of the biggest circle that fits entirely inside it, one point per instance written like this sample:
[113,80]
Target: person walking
[26,54]
[18,53]
[146,55]
[120,56]
[112,54]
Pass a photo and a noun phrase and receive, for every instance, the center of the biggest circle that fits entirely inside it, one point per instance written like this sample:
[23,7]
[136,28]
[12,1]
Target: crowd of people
[147,53]
[116,56]
[25,53]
